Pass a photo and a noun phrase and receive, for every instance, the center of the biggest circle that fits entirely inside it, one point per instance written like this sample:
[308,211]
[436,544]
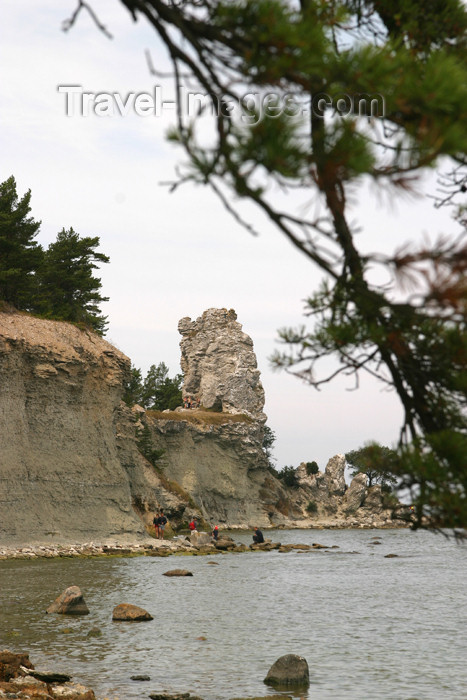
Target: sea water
[371,627]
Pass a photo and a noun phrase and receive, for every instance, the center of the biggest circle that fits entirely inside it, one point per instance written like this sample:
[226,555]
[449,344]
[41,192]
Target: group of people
[160,521]
[189,402]
[193,526]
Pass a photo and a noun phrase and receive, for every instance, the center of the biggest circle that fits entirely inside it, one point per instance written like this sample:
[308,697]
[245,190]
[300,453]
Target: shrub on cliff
[312,468]
[289,476]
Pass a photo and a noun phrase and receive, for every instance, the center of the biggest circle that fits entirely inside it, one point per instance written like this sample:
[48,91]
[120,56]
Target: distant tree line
[57,282]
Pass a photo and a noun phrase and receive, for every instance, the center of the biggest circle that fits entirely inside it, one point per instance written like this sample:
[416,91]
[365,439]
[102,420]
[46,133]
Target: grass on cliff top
[200,417]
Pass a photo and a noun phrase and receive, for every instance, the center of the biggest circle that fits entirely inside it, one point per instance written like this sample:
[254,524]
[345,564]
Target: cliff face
[71,457]
[60,472]
[222,467]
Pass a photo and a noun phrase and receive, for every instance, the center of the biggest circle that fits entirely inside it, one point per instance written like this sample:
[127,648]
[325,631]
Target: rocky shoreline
[19,679]
[198,544]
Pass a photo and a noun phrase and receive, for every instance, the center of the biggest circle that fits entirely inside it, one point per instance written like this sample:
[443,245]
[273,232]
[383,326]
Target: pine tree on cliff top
[20,254]
[69,291]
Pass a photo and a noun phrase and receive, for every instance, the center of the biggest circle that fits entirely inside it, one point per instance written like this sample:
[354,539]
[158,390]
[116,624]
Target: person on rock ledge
[258,536]
[162,524]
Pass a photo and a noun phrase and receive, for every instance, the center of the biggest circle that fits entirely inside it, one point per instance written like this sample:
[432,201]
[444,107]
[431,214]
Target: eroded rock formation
[337,504]
[219,364]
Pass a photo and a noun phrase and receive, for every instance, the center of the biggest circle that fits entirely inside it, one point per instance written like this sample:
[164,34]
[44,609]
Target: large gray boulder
[219,364]
[289,670]
[200,538]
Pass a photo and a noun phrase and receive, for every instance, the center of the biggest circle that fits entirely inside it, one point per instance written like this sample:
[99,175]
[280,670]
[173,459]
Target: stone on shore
[19,679]
[173,696]
[70,602]
[130,613]
[47,676]
[289,670]
[200,538]
[10,664]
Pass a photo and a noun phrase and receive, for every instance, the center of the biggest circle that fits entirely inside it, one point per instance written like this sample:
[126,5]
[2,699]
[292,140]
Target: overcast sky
[173,254]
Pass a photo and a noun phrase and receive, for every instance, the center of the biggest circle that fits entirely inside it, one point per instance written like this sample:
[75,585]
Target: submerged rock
[178,572]
[130,613]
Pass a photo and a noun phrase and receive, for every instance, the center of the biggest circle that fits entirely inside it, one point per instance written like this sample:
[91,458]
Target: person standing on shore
[156,524]
[162,524]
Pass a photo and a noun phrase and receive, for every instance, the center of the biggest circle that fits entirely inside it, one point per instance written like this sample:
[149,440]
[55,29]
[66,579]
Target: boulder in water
[70,602]
[130,613]
[289,670]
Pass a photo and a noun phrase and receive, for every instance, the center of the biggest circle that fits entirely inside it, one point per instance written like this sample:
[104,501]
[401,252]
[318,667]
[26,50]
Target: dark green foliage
[57,283]
[312,507]
[146,447]
[133,387]
[268,444]
[377,462]
[68,289]
[312,468]
[160,391]
[20,254]
[289,476]
[156,392]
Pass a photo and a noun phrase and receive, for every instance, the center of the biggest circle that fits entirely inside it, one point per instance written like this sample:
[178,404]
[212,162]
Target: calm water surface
[370,627]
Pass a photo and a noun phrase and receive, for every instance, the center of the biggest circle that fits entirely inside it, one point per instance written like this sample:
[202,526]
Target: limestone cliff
[59,465]
[72,463]
[220,463]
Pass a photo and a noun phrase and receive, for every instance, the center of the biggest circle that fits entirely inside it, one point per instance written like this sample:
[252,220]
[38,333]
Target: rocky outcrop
[221,466]
[327,500]
[355,494]
[334,476]
[70,469]
[219,364]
